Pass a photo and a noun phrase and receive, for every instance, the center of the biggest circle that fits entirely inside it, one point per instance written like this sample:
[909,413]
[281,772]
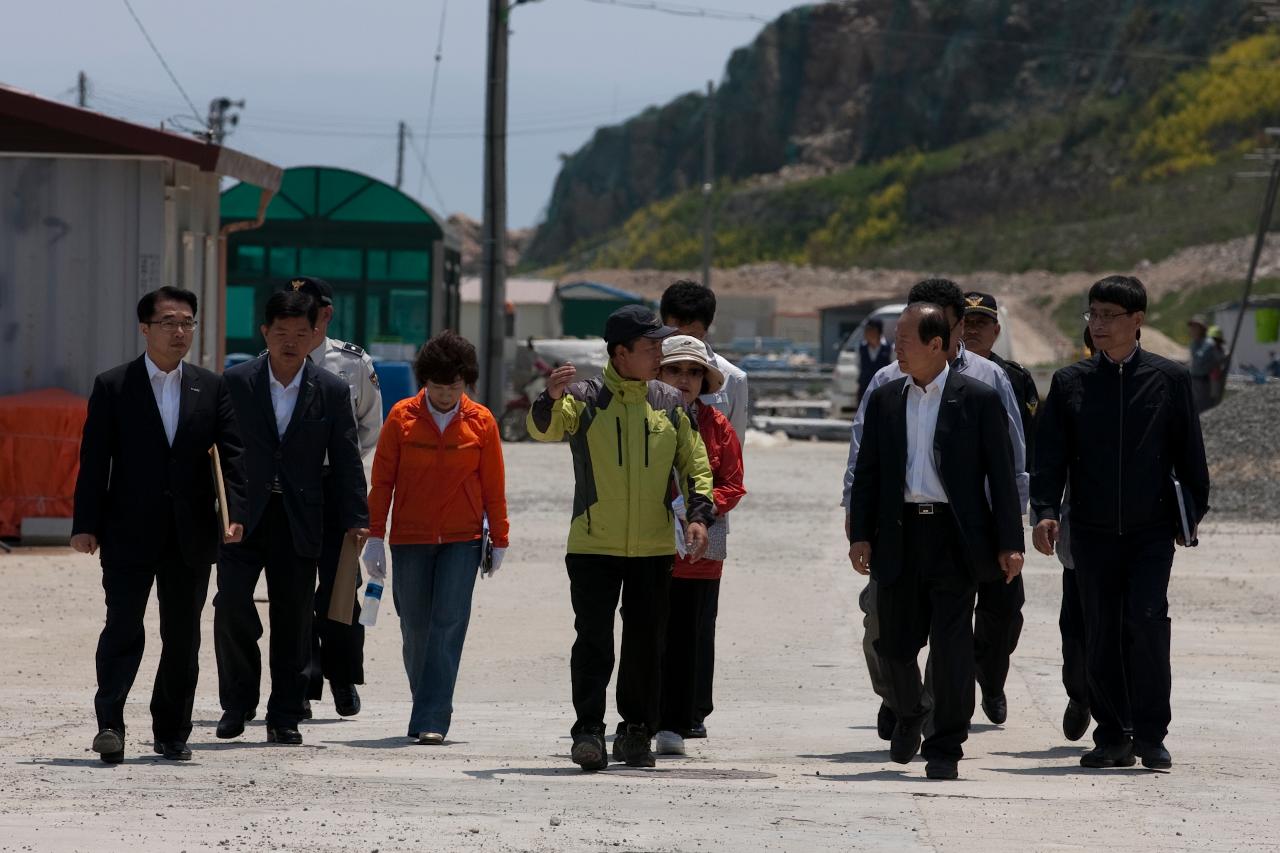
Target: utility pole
[220,116]
[82,90]
[1264,225]
[708,179]
[400,156]
[493,274]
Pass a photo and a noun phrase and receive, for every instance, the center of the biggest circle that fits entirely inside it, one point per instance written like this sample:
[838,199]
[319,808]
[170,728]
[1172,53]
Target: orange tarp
[39,455]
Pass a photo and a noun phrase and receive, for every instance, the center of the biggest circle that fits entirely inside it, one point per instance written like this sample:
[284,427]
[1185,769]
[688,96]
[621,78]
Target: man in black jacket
[932,443]
[1118,428]
[145,496]
[291,414]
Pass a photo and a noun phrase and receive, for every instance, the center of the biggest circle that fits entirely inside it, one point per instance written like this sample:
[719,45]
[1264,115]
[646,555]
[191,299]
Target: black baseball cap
[317,288]
[634,321]
[981,303]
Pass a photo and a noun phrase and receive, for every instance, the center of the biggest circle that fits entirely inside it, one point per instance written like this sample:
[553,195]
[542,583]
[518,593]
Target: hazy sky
[326,81]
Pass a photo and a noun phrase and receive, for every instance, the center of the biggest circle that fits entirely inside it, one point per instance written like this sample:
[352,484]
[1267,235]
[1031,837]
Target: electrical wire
[684,10]
[167,69]
[425,173]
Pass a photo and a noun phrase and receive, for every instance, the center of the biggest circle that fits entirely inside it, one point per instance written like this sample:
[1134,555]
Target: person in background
[1118,428]
[145,496]
[688,663]
[1273,366]
[1204,357]
[631,440]
[337,650]
[439,472]
[1218,372]
[874,353]
[293,416]
[690,309]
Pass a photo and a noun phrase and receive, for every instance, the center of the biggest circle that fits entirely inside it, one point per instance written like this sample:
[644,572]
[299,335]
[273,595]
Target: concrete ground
[793,762]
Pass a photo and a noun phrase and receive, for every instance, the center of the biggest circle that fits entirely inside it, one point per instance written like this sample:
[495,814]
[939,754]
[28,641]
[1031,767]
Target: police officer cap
[317,288]
[634,321]
[981,303]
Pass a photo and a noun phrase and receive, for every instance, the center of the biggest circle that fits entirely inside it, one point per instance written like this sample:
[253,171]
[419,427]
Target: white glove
[498,554]
[375,559]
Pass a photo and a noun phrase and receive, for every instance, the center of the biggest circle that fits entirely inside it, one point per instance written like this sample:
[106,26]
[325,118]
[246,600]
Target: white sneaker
[669,743]
[430,738]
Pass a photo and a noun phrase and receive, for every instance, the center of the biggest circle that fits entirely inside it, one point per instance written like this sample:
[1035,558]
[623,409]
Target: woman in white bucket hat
[688,663]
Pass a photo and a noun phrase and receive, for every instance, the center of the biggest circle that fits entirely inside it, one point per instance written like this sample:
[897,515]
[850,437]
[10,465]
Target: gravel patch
[1242,444]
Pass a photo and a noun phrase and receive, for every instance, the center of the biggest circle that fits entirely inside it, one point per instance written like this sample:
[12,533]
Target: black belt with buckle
[924,509]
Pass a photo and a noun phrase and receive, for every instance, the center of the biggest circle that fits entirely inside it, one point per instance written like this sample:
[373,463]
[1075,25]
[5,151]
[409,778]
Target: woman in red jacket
[440,458]
[688,662]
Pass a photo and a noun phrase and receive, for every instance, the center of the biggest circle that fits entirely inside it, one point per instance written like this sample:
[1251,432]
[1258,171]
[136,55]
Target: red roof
[32,124]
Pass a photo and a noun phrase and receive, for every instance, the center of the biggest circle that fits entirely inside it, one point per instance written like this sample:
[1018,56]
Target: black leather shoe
[632,746]
[589,751]
[109,744]
[1154,756]
[699,730]
[284,735]
[885,722]
[941,768]
[346,701]
[906,740]
[232,723]
[1112,755]
[996,707]
[1075,722]
[173,750]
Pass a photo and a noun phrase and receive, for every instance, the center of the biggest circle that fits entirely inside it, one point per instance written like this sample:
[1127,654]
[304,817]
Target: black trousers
[1124,589]
[595,583]
[997,625]
[688,663]
[181,591]
[1075,676]
[291,585]
[931,601]
[337,650]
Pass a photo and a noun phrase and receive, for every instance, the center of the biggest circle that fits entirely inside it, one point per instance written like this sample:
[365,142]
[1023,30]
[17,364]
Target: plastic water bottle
[372,599]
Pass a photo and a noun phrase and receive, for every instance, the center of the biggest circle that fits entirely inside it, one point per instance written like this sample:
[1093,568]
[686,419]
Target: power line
[425,174]
[685,10]
[160,57]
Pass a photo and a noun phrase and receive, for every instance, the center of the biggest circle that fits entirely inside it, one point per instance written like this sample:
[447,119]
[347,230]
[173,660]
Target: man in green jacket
[633,447]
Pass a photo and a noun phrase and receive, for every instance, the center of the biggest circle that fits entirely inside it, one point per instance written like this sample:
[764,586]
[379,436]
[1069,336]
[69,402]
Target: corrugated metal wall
[80,241]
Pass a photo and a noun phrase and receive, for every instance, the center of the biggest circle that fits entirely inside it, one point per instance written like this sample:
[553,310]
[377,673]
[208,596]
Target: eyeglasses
[1103,319]
[172,326]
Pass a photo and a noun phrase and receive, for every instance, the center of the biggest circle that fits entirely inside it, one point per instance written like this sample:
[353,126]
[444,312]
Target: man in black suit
[291,413]
[933,443]
[145,495]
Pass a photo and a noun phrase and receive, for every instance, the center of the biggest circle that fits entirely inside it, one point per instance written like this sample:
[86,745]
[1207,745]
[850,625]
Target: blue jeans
[431,587]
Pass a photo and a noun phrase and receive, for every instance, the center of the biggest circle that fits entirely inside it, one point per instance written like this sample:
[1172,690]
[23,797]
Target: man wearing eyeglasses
[145,500]
[950,298]
[1118,428]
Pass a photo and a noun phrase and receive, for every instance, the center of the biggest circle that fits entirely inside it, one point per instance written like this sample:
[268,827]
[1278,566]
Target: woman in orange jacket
[440,458]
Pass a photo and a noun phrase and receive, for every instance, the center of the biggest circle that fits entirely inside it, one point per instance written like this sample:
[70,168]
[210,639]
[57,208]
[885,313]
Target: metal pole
[493,275]
[708,178]
[400,156]
[1264,225]
[82,87]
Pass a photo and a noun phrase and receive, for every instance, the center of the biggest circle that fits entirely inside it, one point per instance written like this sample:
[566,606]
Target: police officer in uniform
[337,650]
[997,622]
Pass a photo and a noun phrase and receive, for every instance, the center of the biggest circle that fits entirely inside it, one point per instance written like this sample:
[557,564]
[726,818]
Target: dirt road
[793,762]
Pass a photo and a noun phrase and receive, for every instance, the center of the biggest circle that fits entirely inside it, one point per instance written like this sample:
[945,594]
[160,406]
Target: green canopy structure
[395,266]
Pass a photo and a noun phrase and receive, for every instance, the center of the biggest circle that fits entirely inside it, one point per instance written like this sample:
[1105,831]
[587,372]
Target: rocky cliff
[835,84]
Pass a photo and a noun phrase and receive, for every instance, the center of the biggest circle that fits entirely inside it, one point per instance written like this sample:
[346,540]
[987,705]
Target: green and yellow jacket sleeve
[552,420]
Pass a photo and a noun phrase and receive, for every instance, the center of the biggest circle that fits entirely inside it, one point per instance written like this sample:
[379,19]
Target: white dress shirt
[443,419]
[168,390]
[923,484]
[975,367]
[731,400]
[284,398]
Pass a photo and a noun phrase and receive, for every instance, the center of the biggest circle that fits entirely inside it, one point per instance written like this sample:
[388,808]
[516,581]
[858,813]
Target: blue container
[234,358]
[395,378]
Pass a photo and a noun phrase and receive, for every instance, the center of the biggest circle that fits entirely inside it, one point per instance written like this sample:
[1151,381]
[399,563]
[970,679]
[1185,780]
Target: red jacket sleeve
[727,487]
[493,484]
[386,464]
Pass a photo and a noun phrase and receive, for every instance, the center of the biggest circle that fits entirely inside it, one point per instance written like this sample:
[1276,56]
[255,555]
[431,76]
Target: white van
[844,378]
